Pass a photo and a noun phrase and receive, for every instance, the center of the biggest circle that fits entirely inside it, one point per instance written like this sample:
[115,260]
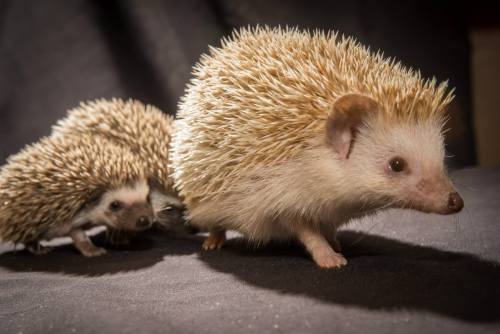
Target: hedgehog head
[399,162]
[127,207]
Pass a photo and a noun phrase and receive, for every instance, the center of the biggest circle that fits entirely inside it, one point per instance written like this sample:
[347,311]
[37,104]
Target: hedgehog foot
[331,260]
[36,248]
[319,248]
[215,240]
[84,245]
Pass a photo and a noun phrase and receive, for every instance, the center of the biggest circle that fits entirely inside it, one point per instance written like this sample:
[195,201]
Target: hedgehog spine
[286,134]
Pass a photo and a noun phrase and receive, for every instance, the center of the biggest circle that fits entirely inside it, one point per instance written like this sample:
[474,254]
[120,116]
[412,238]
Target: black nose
[455,202]
[143,222]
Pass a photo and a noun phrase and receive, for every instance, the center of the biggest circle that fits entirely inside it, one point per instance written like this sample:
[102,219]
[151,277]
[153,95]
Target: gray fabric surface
[408,272]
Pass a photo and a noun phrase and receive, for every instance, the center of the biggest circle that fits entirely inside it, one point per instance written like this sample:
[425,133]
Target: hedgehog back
[143,129]
[264,96]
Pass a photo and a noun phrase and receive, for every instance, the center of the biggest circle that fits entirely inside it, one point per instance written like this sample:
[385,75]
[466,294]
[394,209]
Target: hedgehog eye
[115,206]
[397,164]
[169,208]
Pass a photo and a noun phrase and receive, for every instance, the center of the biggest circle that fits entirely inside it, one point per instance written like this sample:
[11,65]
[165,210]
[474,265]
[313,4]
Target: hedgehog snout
[455,202]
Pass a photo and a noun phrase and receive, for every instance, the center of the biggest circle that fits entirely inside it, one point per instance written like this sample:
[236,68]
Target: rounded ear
[346,115]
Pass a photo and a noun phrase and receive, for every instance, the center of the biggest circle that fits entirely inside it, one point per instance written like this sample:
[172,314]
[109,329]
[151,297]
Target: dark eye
[115,206]
[169,208]
[397,164]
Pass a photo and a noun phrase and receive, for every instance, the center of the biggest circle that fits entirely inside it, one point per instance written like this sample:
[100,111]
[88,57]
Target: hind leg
[215,239]
[34,247]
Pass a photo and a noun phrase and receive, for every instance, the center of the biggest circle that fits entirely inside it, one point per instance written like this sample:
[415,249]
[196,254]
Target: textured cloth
[407,272]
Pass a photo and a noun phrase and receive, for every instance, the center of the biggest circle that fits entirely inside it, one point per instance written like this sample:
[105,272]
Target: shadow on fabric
[144,251]
[382,274]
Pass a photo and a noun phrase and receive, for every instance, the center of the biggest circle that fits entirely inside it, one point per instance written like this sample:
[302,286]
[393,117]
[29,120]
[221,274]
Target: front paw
[329,260]
[214,241]
[93,252]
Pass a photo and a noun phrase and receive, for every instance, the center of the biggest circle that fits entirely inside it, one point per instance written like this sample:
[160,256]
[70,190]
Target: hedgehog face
[393,163]
[404,164]
[127,208]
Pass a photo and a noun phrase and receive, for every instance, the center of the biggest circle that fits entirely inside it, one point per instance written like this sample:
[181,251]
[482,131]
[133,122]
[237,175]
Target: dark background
[54,54]
[408,272]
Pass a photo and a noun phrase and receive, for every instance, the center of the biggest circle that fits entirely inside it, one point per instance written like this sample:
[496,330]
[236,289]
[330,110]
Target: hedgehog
[284,134]
[143,129]
[63,185]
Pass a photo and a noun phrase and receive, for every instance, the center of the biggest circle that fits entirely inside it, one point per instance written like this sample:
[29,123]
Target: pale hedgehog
[61,186]
[146,132]
[285,134]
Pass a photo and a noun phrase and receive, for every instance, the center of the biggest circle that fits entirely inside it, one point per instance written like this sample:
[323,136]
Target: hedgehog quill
[87,175]
[285,134]
[63,186]
[146,132]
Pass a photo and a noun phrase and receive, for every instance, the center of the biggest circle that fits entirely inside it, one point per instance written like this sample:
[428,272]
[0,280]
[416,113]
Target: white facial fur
[127,196]
[423,184]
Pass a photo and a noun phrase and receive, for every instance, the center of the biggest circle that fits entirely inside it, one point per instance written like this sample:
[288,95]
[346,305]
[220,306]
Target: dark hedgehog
[143,129]
[104,164]
[61,186]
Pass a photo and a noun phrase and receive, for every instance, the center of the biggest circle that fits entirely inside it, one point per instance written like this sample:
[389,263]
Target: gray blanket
[408,272]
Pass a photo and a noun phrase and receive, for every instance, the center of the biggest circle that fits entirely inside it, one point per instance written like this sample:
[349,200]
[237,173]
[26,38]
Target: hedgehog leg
[34,247]
[319,248]
[84,245]
[215,239]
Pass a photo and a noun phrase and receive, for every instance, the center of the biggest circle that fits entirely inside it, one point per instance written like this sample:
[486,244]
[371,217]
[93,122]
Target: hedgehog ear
[343,120]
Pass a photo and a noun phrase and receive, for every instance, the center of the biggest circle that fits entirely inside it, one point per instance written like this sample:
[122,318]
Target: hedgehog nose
[455,202]
[143,222]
